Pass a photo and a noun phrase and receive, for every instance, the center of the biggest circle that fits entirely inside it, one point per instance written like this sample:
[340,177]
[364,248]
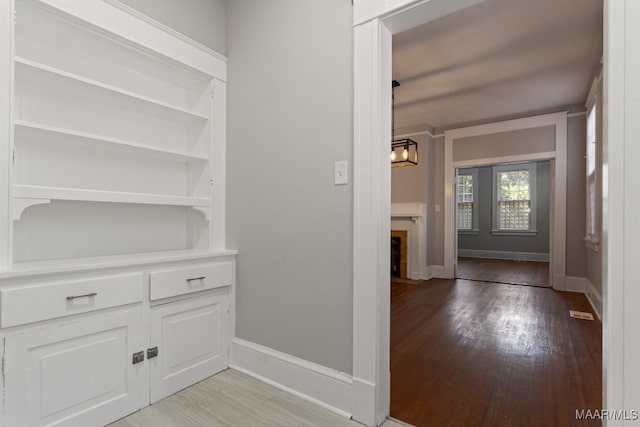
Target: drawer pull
[196,278]
[72,297]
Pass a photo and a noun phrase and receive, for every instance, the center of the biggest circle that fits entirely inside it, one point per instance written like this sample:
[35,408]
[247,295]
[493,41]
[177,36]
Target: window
[591,173]
[514,198]
[594,105]
[466,200]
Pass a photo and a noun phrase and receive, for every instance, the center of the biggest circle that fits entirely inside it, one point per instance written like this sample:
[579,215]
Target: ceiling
[497,59]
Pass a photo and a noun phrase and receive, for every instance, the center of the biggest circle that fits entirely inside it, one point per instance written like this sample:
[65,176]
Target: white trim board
[574,284]
[435,272]
[516,256]
[489,161]
[594,297]
[318,384]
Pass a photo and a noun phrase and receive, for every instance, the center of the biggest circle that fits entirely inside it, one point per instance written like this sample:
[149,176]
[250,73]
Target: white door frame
[558,205]
[374,23]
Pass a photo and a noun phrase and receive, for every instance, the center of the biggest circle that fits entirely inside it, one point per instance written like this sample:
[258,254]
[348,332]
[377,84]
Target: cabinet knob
[152,352]
[138,357]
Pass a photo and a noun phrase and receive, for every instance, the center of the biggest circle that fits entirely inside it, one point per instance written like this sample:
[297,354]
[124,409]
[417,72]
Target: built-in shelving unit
[136,102]
[105,115]
[53,135]
[82,195]
[113,263]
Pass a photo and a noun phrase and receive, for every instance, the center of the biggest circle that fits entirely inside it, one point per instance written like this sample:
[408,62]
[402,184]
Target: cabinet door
[192,341]
[77,373]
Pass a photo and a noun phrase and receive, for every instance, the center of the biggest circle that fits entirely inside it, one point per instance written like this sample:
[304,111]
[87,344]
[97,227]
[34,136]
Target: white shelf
[140,103]
[83,195]
[55,266]
[37,131]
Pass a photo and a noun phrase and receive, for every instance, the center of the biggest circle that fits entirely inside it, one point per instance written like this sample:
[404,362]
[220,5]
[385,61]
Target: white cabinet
[86,348]
[192,343]
[78,373]
[112,212]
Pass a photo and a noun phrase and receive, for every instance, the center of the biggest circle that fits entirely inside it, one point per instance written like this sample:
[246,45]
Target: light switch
[437,208]
[341,172]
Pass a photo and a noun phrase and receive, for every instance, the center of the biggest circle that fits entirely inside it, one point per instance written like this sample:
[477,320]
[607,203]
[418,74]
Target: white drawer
[33,303]
[184,280]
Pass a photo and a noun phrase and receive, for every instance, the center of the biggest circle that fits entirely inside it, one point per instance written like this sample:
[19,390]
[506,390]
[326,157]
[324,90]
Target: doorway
[372,69]
[503,220]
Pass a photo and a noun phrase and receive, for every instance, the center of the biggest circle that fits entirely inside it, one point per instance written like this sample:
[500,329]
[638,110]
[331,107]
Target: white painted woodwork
[115,109]
[55,135]
[81,194]
[32,303]
[6,131]
[316,383]
[193,343]
[180,281]
[75,373]
[112,149]
[40,321]
[371,211]
[149,260]
[620,232]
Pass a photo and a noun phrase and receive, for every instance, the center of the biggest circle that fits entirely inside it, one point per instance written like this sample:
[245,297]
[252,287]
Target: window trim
[531,167]
[474,210]
[592,240]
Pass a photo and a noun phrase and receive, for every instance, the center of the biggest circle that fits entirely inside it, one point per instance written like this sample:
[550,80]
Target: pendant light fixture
[404,152]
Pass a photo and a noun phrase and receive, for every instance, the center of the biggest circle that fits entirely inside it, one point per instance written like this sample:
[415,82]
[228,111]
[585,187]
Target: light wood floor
[467,353]
[504,271]
[233,399]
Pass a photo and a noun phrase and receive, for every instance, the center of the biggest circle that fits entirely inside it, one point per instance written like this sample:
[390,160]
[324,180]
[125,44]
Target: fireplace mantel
[414,211]
[411,217]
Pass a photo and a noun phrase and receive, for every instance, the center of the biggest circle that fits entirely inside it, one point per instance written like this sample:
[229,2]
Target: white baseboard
[594,297]
[516,256]
[316,383]
[364,397]
[427,274]
[574,284]
[436,271]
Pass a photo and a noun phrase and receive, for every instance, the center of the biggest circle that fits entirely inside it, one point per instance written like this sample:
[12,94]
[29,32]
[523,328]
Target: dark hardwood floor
[467,353]
[504,271]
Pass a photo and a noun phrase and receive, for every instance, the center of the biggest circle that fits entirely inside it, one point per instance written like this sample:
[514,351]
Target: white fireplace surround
[412,218]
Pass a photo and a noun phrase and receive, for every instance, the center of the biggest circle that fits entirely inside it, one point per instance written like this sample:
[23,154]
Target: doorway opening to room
[503,223]
[489,90]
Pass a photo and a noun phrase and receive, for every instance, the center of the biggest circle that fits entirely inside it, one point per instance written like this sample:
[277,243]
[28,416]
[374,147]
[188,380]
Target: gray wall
[409,183]
[576,197]
[202,20]
[484,240]
[290,117]
[533,140]
[435,228]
